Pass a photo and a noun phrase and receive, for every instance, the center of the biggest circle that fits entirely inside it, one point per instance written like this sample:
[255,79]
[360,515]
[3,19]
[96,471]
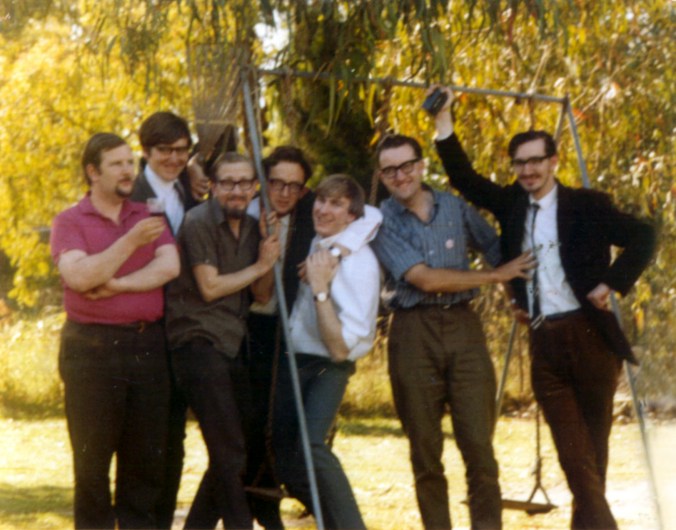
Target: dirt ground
[376,460]
[36,476]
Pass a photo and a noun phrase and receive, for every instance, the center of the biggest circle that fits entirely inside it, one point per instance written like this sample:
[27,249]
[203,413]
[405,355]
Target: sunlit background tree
[69,68]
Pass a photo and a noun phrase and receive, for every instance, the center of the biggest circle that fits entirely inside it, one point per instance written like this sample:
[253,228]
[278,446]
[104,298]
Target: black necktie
[536,316]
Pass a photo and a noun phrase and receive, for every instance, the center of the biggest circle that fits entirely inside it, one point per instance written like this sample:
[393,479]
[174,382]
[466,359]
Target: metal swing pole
[529,506]
[638,407]
[281,302]
[281,72]
[505,370]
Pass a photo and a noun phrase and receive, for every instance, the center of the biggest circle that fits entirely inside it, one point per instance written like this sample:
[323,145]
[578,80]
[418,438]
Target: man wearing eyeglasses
[226,263]
[165,139]
[576,343]
[436,347]
[287,171]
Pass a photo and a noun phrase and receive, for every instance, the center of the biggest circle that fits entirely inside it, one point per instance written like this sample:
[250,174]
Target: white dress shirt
[174,208]
[556,295]
[354,292]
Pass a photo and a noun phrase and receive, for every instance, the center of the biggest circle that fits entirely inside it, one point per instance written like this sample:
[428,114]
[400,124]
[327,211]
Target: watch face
[335,252]
[322,297]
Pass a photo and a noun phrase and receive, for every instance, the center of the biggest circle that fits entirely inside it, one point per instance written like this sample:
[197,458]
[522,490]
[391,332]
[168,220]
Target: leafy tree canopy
[72,68]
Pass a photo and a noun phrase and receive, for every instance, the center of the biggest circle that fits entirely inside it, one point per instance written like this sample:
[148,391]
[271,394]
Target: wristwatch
[336,252]
[321,296]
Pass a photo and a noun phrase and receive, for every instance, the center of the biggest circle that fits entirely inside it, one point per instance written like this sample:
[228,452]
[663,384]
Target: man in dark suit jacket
[576,343]
[165,139]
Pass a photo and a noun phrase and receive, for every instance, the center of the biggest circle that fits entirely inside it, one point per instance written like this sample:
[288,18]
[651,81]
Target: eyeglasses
[520,163]
[167,150]
[229,185]
[278,186]
[406,168]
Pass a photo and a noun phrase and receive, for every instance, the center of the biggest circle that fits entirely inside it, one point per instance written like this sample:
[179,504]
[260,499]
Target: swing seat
[530,507]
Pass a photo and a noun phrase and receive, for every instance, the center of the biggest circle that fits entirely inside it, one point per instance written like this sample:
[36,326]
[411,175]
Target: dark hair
[340,185]
[94,149]
[529,136]
[163,128]
[231,157]
[287,153]
[392,141]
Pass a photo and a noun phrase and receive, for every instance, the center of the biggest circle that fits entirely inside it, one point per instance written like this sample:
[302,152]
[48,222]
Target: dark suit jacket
[588,225]
[142,191]
[301,232]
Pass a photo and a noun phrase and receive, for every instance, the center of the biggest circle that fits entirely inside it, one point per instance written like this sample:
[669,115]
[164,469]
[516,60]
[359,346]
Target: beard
[234,213]
[124,192]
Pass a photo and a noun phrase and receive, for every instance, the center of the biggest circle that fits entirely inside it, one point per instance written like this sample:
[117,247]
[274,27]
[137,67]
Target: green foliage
[69,69]
[29,379]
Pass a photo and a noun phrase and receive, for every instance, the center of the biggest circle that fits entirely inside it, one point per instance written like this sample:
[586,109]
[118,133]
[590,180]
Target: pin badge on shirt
[450,244]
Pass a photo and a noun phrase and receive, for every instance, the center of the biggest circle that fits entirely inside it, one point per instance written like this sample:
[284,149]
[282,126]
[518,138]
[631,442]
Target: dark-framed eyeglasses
[278,186]
[520,163]
[229,185]
[167,150]
[390,172]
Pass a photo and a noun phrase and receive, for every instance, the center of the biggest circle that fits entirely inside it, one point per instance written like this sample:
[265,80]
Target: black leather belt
[137,327]
[560,316]
[554,317]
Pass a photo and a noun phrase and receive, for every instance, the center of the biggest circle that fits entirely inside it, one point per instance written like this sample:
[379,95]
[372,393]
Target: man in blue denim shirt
[437,350]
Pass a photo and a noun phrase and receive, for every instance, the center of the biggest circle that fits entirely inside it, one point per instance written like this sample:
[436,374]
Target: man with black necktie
[576,343]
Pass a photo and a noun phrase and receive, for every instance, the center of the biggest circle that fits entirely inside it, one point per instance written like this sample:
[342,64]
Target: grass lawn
[36,476]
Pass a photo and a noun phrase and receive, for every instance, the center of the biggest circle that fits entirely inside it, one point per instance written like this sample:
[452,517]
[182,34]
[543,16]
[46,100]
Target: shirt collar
[156,182]
[548,200]
[400,208]
[87,207]
[325,242]
[216,210]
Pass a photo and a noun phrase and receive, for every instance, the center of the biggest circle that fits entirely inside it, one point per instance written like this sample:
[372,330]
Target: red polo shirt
[82,227]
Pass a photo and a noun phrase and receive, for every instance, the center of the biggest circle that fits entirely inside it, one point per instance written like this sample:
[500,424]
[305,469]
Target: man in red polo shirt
[113,260]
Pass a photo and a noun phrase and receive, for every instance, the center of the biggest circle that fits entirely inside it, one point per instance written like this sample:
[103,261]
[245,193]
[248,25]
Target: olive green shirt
[205,238]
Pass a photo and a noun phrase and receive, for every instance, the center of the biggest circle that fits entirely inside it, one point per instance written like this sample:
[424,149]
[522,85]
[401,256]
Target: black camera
[434,102]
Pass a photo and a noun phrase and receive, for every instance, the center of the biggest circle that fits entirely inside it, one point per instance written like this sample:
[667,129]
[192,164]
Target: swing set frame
[249,72]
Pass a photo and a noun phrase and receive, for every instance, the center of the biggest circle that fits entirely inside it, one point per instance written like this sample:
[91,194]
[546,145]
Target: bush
[29,380]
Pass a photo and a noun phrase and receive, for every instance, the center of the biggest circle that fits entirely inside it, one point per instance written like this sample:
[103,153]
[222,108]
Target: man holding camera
[576,343]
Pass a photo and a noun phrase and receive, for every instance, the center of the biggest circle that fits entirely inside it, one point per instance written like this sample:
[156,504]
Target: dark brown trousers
[438,361]
[574,377]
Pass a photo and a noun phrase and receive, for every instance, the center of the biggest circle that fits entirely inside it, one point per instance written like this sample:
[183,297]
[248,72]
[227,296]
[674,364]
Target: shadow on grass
[29,505]
[375,427]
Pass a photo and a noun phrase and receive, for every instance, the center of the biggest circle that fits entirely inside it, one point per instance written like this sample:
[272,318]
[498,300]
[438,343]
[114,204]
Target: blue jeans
[323,384]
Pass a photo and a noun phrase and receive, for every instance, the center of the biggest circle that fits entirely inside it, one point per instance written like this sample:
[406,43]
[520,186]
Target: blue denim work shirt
[443,242]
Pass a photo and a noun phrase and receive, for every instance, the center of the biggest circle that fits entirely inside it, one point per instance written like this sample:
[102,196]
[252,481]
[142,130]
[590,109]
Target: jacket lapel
[564,215]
